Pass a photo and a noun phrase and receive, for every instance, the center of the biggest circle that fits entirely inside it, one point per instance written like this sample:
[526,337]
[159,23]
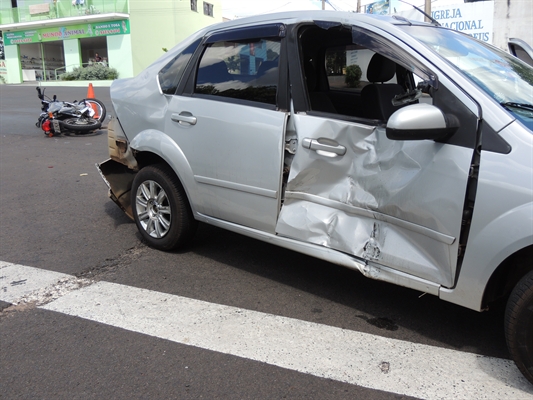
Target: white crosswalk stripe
[357,358]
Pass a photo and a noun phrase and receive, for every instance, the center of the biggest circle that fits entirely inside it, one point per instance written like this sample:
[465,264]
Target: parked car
[520,49]
[418,172]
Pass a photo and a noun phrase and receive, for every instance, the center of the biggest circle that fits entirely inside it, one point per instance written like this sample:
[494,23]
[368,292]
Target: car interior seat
[319,100]
[376,98]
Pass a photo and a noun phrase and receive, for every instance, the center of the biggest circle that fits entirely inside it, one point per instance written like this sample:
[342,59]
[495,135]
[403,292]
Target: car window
[354,75]
[347,67]
[171,73]
[246,70]
[502,76]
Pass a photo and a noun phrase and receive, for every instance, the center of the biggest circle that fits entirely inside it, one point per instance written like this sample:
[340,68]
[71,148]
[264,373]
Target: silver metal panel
[236,155]
[368,269]
[236,186]
[417,116]
[503,216]
[413,193]
[138,104]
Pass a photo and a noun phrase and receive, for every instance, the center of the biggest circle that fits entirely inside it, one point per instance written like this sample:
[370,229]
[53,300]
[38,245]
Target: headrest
[380,69]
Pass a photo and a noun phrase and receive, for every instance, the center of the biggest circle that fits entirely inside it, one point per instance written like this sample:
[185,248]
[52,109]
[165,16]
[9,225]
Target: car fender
[157,142]
[510,232]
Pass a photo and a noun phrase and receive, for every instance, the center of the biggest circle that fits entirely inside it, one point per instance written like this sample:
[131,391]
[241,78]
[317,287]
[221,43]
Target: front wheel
[519,325]
[98,107]
[161,209]
[82,124]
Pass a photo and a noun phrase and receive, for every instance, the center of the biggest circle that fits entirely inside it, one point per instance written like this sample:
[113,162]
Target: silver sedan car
[400,149]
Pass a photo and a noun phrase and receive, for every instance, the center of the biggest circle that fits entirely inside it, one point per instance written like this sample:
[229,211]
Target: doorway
[92,46]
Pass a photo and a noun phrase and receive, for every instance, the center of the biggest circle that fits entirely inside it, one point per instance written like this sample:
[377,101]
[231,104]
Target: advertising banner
[378,7]
[79,31]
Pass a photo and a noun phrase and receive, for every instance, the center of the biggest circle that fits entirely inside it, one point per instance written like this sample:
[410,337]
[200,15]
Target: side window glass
[347,68]
[356,74]
[171,73]
[245,70]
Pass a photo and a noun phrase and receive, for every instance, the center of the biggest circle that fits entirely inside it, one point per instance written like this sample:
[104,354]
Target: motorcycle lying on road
[77,118]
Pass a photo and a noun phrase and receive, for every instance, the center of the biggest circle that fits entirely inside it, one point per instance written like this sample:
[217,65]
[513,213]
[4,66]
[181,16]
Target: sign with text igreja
[475,19]
[79,31]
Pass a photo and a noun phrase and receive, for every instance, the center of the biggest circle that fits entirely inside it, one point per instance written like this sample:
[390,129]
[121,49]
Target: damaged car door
[393,203]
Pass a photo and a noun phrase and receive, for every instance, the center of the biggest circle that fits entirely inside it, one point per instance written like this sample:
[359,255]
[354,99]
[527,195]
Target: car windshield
[506,79]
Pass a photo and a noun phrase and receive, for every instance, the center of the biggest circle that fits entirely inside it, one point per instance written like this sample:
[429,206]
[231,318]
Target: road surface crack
[110,265]
[62,287]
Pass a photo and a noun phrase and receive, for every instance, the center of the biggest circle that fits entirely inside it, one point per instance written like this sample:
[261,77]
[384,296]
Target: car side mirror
[421,121]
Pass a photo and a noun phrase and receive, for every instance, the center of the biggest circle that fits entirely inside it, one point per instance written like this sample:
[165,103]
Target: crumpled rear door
[397,204]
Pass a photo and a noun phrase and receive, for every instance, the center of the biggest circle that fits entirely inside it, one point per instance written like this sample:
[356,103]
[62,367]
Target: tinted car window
[246,70]
[171,73]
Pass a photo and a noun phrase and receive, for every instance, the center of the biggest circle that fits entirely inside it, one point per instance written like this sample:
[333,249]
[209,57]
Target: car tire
[519,325]
[161,209]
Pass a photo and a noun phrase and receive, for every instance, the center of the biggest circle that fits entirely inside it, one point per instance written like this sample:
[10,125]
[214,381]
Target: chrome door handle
[334,147]
[183,118]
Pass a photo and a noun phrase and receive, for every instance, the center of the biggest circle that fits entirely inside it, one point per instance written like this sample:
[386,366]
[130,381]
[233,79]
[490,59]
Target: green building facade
[45,38]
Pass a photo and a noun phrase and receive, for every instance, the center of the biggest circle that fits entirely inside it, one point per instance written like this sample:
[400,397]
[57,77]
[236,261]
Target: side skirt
[367,268]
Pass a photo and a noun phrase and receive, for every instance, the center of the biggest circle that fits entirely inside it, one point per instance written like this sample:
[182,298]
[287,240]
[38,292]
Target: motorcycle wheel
[98,107]
[80,125]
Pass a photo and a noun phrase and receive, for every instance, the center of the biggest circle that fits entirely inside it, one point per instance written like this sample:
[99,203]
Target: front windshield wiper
[523,106]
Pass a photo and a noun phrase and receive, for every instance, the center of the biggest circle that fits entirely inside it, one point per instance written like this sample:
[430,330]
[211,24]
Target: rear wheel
[161,209]
[519,325]
[82,124]
[98,107]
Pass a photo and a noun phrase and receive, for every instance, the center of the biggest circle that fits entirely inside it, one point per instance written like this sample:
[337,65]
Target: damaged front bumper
[118,171]
[118,179]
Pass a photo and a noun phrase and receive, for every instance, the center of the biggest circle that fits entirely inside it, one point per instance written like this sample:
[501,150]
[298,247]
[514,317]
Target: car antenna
[433,21]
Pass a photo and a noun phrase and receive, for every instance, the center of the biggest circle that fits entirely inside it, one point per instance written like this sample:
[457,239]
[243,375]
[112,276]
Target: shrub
[353,75]
[95,72]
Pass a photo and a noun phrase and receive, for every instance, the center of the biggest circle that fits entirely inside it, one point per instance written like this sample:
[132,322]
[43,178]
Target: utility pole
[427,9]
[324,4]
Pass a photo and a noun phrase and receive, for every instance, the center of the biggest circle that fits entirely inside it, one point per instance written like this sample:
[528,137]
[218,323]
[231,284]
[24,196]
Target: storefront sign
[110,28]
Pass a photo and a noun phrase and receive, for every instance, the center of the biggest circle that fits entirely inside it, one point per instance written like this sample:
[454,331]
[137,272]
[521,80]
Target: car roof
[295,17]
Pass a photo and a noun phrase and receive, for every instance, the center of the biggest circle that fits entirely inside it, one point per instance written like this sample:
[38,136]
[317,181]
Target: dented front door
[397,204]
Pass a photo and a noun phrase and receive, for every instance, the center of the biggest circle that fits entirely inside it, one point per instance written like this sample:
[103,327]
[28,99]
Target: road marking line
[320,350]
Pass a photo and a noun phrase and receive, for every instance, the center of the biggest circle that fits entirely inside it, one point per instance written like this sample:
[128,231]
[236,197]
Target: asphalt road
[55,215]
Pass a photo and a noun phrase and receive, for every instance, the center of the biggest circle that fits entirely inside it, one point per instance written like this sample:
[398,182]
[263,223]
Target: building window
[208,9]
[194,6]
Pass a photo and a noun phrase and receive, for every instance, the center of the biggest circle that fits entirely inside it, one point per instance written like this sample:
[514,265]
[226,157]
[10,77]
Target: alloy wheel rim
[153,209]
